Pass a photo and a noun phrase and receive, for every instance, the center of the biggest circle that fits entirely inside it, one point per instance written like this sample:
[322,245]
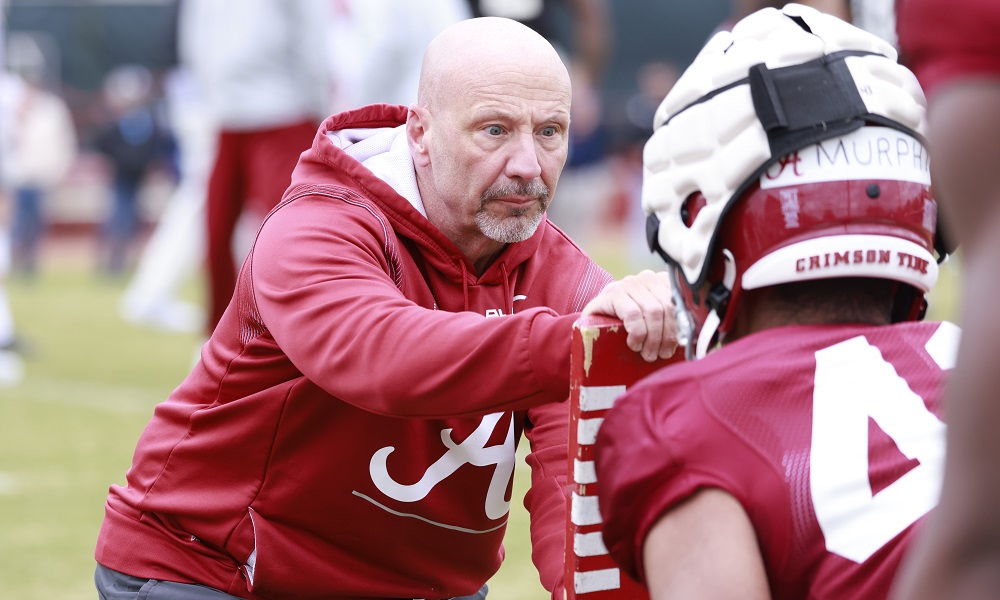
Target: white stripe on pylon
[596,581]
[599,397]
[586,431]
[584,510]
[589,544]
[584,471]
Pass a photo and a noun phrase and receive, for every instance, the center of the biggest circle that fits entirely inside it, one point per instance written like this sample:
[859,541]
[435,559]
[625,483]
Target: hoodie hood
[366,149]
[385,153]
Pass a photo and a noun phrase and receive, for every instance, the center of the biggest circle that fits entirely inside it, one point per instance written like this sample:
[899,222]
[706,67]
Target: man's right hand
[643,303]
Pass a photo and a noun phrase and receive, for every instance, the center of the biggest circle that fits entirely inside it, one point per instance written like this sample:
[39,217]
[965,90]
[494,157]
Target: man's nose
[523,162]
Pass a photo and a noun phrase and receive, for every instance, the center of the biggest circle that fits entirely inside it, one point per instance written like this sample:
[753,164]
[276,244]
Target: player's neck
[760,311]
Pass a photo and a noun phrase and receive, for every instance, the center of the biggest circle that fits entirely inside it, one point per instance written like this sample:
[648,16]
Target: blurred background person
[654,80]
[263,67]
[175,250]
[375,47]
[134,142]
[11,366]
[42,141]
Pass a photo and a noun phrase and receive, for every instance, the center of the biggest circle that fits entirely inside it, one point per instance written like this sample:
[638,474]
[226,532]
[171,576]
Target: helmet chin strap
[685,322]
[707,335]
[708,330]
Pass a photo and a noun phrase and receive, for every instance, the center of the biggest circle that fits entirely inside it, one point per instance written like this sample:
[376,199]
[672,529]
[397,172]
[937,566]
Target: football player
[799,450]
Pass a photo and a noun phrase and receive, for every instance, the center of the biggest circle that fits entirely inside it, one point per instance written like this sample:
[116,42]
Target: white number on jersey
[855,382]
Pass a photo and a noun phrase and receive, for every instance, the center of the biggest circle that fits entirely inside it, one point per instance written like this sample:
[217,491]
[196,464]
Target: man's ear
[417,121]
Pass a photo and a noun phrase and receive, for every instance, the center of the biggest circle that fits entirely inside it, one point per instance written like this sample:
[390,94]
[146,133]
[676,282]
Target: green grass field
[67,431]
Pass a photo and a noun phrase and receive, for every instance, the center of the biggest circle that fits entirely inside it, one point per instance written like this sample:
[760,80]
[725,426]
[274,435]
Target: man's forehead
[514,91]
[518,109]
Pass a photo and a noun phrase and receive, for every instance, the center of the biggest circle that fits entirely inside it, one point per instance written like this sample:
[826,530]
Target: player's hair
[833,301]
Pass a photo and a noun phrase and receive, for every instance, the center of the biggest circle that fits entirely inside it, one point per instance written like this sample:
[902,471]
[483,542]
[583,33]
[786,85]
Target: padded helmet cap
[780,81]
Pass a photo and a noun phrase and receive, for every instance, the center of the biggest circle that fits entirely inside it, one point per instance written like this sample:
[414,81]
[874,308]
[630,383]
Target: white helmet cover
[778,82]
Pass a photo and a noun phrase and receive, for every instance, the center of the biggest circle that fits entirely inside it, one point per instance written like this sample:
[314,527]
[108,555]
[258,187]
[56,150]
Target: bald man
[403,320]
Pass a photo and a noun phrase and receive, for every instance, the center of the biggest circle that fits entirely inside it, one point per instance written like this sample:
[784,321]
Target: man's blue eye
[494,130]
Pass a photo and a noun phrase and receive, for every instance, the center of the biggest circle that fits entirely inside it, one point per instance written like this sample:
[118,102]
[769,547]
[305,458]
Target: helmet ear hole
[691,206]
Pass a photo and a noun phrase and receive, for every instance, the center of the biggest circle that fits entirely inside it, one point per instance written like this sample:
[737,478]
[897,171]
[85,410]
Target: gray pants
[112,585]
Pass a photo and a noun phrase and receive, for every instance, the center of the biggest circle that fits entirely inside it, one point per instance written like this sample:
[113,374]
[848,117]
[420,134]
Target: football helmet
[791,149]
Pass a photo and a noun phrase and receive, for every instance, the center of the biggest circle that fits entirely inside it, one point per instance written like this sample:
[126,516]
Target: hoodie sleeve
[547,502]
[332,299]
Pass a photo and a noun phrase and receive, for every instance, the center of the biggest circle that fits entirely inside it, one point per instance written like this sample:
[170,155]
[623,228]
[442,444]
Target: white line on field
[8,484]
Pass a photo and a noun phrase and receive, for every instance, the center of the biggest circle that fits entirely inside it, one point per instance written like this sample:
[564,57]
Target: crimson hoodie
[350,429]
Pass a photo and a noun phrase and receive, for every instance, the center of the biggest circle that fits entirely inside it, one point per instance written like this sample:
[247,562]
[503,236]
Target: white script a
[472,450]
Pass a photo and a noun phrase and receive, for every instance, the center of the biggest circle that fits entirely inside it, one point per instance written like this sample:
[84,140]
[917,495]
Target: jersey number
[854,382]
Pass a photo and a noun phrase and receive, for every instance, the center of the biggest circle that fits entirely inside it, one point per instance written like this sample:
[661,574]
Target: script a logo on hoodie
[472,451]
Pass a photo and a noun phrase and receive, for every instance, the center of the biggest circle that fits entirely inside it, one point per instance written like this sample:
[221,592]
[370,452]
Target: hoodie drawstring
[506,288]
[465,283]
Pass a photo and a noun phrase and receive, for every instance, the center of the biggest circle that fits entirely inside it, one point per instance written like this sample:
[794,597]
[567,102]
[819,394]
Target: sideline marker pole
[602,367]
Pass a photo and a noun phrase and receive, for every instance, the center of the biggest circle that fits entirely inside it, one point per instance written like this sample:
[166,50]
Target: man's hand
[643,303]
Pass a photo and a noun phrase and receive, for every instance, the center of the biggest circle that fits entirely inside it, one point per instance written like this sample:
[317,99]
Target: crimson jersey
[829,436]
[941,41]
